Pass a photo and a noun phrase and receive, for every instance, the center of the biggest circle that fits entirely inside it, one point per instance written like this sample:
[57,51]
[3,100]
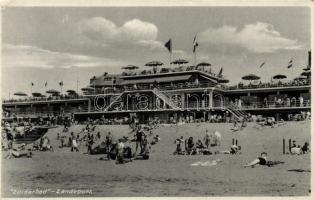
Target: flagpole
[170,58]
[195,58]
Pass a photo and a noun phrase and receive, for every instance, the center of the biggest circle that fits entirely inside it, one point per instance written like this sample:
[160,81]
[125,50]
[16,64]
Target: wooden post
[232,141]
[236,142]
[289,145]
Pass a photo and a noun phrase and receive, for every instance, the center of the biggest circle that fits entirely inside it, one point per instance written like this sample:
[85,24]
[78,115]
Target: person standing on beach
[139,137]
[207,139]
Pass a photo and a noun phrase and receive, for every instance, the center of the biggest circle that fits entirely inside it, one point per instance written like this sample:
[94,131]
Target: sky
[41,44]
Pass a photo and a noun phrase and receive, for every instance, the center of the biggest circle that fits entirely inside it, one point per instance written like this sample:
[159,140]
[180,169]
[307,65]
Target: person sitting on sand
[155,140]
[190,146]
[120,153]
[235,126]
[19,152]
[296,150]
[179,142]
[199,147]
[305,148]
[293,144]
[46,144]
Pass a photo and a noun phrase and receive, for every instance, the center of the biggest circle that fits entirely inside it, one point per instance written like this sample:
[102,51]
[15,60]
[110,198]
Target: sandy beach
[165,174]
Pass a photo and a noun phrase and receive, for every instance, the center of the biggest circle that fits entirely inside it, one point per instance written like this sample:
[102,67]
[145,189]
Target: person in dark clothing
[90,143]
[139,138]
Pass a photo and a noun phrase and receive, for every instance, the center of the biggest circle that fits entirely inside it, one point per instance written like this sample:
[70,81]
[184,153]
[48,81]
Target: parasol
[179,62]
[130,67]
[251,77]
[279,76]
[36,94]
[203,64]
[71,91]
[154,64]
[53,92]
[306,73]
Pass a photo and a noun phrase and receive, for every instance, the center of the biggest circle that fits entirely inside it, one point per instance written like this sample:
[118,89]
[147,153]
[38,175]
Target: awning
[158,80]
[208,78]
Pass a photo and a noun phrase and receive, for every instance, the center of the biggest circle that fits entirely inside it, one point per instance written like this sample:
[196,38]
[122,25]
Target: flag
[220,72]
[46,84]
[61,83]
[168,45]
[195,44]
[32,84]
[262,65]
[290,64]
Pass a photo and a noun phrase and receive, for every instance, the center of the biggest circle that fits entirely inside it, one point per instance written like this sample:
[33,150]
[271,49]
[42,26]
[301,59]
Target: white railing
[165,98]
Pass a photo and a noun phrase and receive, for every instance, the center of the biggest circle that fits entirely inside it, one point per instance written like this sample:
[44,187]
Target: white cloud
[258,38]
[103,32]
[31,56]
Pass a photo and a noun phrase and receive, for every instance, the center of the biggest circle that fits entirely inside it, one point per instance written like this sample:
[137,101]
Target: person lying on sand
[234,149]
[262,160]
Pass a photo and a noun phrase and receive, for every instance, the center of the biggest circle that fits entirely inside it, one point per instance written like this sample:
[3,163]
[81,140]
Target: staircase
[165,98]
[239,114]
[114,101]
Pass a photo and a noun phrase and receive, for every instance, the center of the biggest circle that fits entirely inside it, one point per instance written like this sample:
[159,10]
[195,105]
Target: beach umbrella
[203,64]
[154,64]
[36,94]
[179,62]
[53,92]
[130,67]
[88,89]
[20,94]
[71,91]
[306,73]
[279,76]
[251,77]
[306,69]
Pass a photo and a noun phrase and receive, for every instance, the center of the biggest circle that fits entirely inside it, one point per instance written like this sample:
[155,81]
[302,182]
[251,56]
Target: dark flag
[61,83]
[32,84]
[220,72]
[195,44]
[290,64]
[168,45]
[46,84]
[262,65]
